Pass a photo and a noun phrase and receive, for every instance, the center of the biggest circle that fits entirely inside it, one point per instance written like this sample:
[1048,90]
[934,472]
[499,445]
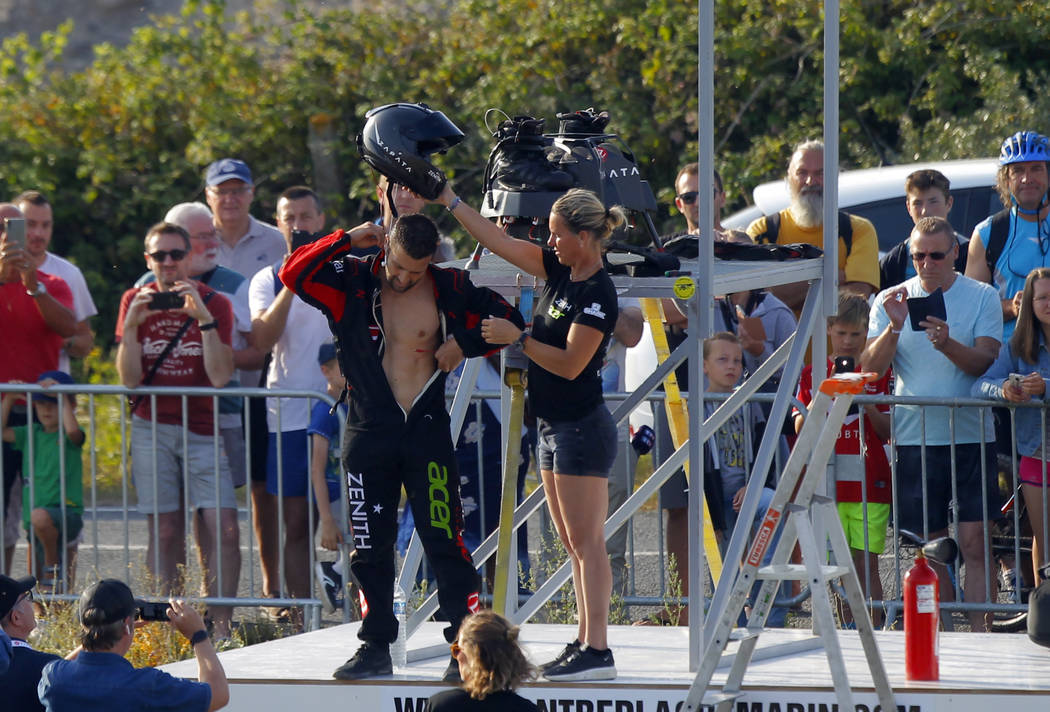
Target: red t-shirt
[30,347]
[184,364]
[851,465]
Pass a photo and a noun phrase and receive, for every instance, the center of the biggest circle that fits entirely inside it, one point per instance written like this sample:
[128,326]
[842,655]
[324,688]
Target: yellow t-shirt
[862,262]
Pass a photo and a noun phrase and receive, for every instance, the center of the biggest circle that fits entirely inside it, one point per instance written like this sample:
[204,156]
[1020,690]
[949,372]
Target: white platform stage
[979,673]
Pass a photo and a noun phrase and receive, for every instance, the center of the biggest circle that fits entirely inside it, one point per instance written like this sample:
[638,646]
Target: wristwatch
[40,290]
[521,338]
[199,637]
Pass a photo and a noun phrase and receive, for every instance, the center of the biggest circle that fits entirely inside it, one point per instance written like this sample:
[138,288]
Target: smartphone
[166,300]
[152,611]
[15,229]
[844,364]
[921,307]
[302,237]
[1015,379]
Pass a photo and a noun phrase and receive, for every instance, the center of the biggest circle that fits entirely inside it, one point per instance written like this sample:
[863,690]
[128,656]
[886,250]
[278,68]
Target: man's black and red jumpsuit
[385,447]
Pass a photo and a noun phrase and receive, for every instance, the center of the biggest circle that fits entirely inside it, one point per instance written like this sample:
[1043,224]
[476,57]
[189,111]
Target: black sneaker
[370,660]
[452,672]
[570,650]
[587,664]
[331,582]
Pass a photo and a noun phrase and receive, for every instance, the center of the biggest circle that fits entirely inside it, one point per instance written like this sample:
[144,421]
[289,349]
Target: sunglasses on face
[935,256]
[689,197]
[162,255]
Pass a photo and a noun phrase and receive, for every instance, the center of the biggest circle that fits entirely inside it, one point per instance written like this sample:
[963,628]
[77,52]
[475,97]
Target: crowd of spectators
[231,320]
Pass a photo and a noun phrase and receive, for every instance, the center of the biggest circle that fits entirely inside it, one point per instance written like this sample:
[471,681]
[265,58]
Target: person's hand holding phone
[1034,385]
[13,255]
[936,331]
[193,305]
[1018,388]
[138,310]
[895,302]
[1013,389]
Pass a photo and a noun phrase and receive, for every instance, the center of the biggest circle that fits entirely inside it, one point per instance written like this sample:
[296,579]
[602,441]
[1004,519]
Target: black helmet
[1039,611]
[396,140]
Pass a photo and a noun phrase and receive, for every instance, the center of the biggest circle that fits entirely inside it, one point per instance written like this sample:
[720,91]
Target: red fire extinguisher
[922,603]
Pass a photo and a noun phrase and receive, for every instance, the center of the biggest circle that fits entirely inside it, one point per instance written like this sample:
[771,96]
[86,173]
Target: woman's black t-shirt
[459,701]
[591,302]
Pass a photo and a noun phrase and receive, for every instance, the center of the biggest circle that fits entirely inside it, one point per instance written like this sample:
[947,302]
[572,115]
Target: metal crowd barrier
[105,409]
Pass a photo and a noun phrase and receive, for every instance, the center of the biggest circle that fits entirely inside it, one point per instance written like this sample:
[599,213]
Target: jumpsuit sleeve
[480,303]
[319,276]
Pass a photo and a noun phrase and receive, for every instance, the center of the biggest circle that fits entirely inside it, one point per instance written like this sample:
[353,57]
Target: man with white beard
[802,221]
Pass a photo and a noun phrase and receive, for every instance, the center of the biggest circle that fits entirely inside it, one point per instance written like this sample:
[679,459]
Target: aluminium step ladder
[812,521]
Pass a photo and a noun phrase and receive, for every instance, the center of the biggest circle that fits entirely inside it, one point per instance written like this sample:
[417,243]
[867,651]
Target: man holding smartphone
[941,359]
[39,229]
[35,316]
[176,332]
[293,331]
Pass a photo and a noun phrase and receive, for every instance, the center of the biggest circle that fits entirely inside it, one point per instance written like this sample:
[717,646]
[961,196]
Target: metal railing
[109,508]
[108,496]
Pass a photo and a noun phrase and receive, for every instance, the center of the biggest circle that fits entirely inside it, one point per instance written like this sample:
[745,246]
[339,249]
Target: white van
[878,195]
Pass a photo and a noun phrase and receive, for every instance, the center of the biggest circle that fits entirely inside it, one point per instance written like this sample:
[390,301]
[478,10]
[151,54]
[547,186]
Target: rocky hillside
[111,21]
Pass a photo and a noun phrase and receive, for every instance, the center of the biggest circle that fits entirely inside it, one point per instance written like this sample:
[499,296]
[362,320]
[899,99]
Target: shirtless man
[401,324]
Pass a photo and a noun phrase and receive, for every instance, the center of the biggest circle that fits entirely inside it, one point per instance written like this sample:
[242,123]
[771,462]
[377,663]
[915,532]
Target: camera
[166,300]
[152,611]
[844,364]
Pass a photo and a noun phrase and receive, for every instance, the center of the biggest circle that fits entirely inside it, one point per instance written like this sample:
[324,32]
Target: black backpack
[998,231]
[773,229]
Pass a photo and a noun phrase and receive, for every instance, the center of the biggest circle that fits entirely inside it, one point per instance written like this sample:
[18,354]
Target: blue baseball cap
[228,169]
[326,353]
[60,377]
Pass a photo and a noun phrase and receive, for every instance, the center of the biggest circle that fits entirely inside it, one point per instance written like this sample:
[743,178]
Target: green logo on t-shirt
[558,308]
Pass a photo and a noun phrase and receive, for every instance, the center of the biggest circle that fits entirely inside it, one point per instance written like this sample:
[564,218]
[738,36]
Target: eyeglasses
[454,647]
[689,197]
[935,256]
[234,192]
[27,596]
[162,255]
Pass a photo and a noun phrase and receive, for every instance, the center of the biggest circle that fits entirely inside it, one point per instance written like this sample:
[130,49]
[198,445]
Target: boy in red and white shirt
[859,469]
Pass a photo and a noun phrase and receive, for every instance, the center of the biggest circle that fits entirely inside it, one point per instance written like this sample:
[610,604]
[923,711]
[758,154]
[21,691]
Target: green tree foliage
[117,143]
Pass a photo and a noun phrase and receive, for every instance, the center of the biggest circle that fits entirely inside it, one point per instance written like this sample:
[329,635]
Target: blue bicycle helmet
[1024,146]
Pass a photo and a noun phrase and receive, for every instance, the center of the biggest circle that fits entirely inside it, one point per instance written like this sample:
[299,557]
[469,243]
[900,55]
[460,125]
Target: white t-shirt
[83,304]
[919,369]
[294,364]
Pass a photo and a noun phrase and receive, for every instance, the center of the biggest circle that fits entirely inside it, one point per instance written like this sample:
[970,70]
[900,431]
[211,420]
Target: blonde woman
[572,322]
[492,666]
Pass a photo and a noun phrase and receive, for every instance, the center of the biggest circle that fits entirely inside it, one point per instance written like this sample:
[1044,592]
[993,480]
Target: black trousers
[416,452]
